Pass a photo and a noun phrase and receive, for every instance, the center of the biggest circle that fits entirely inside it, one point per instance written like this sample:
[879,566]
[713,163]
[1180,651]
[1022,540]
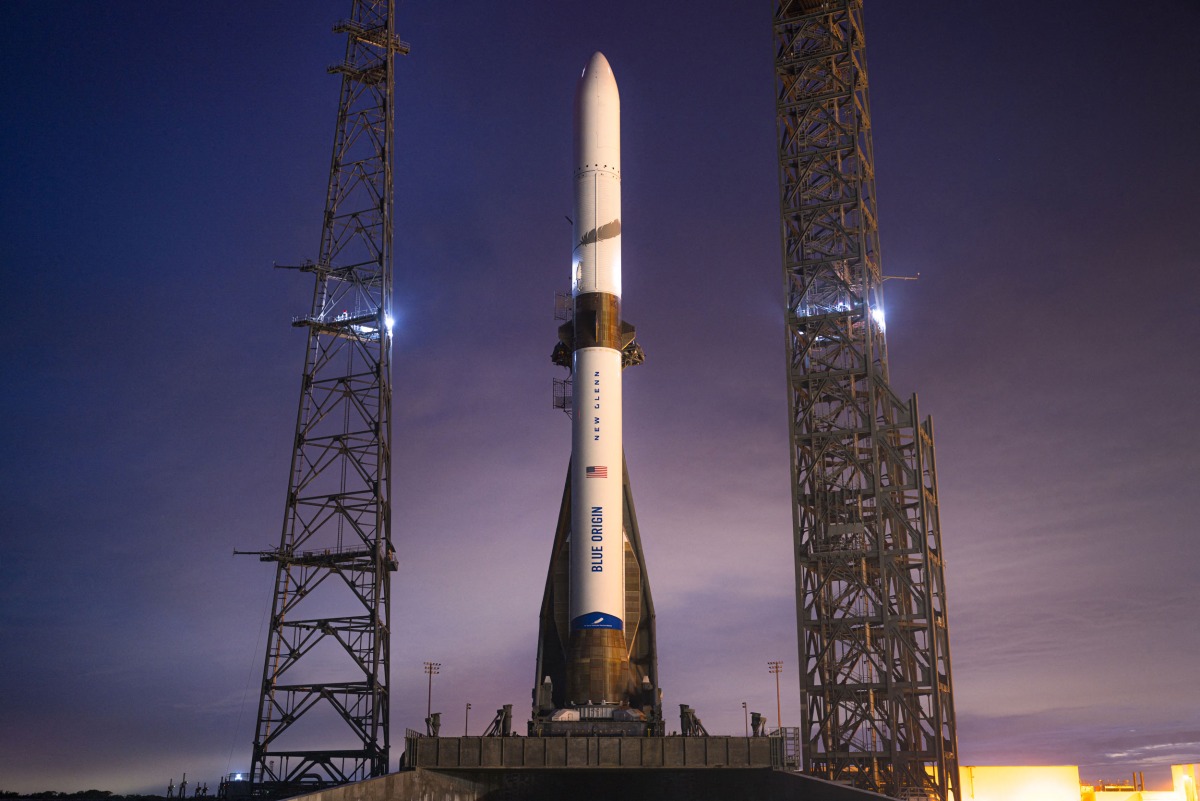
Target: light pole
[775,667]
[431,669]
[746,715]
[467,719]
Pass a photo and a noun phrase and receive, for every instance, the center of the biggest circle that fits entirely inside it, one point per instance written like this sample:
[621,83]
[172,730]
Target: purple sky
[1035,162]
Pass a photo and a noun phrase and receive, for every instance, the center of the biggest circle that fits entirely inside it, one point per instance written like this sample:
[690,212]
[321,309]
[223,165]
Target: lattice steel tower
[870,591]
[323,713]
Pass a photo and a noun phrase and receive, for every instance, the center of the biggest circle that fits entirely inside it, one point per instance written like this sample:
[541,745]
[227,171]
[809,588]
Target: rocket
[597,664]
[597,634]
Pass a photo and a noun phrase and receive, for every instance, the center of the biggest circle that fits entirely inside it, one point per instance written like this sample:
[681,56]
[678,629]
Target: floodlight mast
[328,657]
[877,707]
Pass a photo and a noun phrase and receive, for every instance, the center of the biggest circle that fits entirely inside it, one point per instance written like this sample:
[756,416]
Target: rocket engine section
[597,666]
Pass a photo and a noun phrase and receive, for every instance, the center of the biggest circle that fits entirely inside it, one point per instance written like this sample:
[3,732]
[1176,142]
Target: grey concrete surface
[594,784]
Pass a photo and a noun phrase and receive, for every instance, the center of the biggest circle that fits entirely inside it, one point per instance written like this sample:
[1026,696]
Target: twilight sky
[1036,165]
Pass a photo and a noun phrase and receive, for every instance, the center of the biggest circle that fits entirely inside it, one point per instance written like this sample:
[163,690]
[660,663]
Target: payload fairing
[597,667]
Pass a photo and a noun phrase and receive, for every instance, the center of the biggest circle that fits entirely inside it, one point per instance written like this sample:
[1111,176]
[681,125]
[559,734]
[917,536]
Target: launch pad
[595,784]
[596,769]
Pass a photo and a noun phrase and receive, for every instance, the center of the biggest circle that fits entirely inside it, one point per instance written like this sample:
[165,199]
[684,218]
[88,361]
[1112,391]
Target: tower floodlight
[775,668]
[431,670]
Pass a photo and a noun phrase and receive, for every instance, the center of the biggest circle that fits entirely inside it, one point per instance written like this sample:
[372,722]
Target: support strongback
[554,618]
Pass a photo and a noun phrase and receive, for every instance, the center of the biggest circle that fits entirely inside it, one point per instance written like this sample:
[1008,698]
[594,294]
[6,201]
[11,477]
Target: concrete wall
[581,752]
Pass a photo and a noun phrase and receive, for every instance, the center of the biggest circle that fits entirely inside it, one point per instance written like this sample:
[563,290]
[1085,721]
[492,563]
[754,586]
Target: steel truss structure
[870,590]
[323,712]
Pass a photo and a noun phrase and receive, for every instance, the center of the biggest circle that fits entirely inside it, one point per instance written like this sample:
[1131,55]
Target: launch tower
[870,592]
[323,709]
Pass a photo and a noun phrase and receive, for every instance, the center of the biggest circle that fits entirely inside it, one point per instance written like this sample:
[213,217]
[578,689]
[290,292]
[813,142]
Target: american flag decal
[597,472]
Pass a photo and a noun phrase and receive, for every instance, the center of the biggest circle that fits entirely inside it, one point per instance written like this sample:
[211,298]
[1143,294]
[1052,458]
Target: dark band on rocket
[597,321]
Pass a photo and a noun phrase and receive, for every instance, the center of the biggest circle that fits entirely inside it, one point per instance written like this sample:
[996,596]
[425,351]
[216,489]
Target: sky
[1035,165]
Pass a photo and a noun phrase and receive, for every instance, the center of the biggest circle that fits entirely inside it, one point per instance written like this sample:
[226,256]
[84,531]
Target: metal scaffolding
[870,589]
[323,711]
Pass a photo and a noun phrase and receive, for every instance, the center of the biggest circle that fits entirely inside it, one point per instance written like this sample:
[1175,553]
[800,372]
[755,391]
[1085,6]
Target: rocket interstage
[598,669]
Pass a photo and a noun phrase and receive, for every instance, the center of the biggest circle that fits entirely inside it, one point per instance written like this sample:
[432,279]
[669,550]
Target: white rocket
[597,580]
[598,669]
[597,665]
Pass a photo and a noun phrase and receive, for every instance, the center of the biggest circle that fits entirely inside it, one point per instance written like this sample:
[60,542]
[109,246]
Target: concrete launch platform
[594,784]
[472,753]
[592,769]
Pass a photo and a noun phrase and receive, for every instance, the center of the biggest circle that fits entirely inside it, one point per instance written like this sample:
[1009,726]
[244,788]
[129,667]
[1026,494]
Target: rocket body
[597,666]
[598,669]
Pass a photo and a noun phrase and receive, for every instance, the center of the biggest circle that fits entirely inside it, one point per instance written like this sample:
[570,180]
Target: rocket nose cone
[597,116]
[597,77]
[597,65]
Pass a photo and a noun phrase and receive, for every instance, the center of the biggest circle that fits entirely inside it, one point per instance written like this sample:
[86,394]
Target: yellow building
[1183,779]
[1061,783]
[1020,783]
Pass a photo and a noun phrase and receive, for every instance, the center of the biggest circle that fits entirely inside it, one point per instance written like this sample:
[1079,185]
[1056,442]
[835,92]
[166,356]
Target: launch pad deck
[593,769]
[453,753]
